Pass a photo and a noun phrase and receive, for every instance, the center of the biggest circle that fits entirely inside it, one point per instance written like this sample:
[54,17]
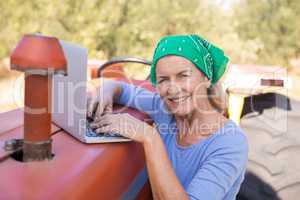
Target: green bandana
[208,58]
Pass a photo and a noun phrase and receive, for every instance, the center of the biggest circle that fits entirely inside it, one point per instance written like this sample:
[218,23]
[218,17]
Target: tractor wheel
[272,124]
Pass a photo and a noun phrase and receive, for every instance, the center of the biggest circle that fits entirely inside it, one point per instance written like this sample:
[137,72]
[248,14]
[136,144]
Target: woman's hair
[218,97]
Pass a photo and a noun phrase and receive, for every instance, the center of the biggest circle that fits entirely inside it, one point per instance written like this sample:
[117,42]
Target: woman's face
[181,85]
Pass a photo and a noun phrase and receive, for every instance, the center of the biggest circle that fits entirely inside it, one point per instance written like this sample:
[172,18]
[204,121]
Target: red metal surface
[113,71]
[145,193]
[78,171]
[38,52]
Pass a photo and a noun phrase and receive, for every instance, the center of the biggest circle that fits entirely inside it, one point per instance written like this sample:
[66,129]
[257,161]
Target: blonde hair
[218,96]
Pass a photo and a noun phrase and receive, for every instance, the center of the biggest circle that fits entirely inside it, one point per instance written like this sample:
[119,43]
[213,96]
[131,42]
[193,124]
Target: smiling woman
[193,151]
[192,85]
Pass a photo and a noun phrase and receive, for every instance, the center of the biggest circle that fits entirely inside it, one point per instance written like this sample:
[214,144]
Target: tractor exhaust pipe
[39,57]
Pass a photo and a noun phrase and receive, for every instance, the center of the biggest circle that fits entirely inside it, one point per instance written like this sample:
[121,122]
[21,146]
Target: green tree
[274,23]
[132,27]
[107,28]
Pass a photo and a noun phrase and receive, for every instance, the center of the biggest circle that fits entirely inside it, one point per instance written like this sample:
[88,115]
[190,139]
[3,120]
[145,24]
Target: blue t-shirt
[212,169]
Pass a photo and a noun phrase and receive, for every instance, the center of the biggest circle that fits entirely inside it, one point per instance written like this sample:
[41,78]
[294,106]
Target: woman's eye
[161,80]
[184,75]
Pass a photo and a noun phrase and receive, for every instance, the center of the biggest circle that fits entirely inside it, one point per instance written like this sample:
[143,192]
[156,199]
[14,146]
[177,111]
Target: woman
[193,151]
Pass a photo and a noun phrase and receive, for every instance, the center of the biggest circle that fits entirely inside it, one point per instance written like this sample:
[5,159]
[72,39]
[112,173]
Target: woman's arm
[163,180]
[139,98]
[104,95]
[125,94]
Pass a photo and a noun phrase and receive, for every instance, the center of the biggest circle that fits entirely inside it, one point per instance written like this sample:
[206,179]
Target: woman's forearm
[117,90]
[111,89]
[164,182]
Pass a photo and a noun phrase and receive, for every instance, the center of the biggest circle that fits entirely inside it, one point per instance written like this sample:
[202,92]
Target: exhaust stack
[39,57]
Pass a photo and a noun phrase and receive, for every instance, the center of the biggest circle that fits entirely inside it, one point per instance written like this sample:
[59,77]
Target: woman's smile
[178,99]
[179,105]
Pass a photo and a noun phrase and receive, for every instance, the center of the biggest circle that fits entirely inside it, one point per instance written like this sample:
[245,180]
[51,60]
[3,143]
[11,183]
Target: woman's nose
[173,89]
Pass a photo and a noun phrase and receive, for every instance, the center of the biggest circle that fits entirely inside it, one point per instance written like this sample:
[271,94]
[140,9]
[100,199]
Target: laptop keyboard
[91,133]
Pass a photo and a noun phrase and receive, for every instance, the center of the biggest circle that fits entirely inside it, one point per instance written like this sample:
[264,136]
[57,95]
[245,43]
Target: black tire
[272,124]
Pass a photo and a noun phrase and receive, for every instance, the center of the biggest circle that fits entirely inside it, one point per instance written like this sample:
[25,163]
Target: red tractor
[257,100]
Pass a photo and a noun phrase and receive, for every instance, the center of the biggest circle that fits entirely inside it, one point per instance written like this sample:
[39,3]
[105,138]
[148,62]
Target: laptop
[69,98]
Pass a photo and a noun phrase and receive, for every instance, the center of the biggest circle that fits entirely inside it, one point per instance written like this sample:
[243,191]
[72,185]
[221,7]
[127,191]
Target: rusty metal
[37,151]
[10,147]
[13,145]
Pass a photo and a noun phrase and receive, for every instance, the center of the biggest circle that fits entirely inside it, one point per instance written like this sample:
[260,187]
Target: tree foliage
[275,23]
[257,31]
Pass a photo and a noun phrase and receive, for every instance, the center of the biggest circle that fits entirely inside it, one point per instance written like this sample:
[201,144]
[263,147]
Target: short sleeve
[141,99]
[225,163]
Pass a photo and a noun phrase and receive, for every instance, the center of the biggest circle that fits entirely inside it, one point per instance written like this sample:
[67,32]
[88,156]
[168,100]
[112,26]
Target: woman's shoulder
[229,138]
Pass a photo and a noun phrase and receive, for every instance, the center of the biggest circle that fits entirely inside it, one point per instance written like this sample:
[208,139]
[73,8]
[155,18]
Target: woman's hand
[100,101]
[125,125]
[99,105]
